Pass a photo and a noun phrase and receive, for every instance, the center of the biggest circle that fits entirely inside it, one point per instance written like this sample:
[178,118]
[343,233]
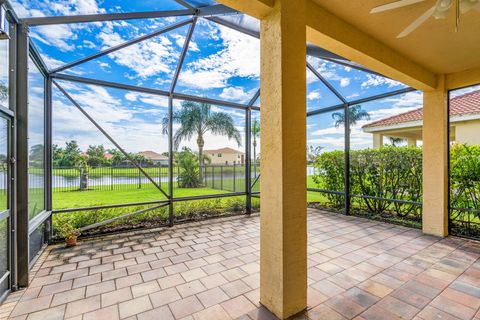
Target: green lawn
[97,197]
[77,199]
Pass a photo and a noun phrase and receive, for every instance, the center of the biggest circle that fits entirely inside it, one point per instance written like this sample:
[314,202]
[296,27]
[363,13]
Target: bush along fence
[386,184]
[465,190]
[184,211]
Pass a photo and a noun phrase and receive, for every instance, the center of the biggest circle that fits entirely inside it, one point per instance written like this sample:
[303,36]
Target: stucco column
[412,142]
[377,141]
[283,232]
[435,160]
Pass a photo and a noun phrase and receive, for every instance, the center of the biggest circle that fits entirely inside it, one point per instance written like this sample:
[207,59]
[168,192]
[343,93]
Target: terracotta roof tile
[468,103]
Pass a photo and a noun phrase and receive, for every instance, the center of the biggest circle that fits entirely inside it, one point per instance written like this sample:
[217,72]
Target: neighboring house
[464,123]
[226,156]
[155,158]
[107,156]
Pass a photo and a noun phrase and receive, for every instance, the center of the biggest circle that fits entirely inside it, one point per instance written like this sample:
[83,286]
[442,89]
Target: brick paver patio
[358,269]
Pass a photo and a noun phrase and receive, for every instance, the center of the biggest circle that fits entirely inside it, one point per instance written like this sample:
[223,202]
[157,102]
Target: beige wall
[377,140]
[230,157]
[468,132]
[460,132]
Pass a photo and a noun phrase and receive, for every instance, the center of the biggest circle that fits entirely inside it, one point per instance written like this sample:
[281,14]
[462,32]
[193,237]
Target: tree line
[72,156]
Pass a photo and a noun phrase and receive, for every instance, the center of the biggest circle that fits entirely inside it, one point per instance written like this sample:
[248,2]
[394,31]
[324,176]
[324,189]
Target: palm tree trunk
[200,144]
[83,179]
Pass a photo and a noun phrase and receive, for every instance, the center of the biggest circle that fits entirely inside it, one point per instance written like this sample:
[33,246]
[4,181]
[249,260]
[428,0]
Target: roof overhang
[418,124]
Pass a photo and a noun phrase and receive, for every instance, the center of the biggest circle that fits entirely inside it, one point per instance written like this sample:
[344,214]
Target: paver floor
[357,269]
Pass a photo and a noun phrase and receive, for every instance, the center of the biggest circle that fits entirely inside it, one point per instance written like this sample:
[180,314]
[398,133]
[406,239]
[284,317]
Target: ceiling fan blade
[417,23]
[394,5]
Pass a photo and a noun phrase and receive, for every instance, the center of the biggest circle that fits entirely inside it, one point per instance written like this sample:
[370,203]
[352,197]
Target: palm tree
[394,141]
[196,119]
[255,135]
[355,114]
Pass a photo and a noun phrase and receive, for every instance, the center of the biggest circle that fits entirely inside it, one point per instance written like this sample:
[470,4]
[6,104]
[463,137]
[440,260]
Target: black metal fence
[222,177]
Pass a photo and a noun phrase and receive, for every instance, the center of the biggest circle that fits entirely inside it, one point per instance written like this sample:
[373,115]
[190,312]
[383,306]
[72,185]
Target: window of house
[219,155]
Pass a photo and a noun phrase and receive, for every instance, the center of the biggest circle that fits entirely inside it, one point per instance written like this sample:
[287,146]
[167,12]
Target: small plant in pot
[70,234]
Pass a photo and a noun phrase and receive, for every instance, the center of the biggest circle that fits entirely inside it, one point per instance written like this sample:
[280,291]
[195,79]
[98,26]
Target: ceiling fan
[438,11]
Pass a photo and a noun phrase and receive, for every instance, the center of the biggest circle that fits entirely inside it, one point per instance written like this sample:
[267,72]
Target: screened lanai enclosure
[120,115]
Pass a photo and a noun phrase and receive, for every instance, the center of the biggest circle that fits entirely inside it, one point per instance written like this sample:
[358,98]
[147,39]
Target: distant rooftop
[224,150]
[152,155]
[466,104]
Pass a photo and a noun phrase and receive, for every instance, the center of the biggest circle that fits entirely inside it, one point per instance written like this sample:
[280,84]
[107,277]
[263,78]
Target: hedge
[396,173]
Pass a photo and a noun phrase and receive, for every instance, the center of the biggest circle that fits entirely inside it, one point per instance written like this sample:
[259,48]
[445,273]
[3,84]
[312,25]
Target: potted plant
[70,234]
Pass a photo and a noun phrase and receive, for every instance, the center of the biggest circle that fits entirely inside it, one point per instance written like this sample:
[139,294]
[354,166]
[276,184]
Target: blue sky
[221,63]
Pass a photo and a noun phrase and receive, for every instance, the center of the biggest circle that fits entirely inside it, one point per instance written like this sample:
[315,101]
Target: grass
[98,197]
[93,197]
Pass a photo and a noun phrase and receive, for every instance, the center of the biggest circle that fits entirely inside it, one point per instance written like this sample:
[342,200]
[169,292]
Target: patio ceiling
[434,45]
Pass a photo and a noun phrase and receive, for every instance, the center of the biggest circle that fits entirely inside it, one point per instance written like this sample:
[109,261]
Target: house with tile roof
[464,123]
[225,156]
[154,157]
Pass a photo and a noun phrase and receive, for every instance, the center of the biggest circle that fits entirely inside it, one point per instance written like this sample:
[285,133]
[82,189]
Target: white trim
[402,125]
[419,123]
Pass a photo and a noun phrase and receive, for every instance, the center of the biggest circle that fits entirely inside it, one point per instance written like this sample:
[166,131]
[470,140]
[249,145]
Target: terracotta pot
[71,242]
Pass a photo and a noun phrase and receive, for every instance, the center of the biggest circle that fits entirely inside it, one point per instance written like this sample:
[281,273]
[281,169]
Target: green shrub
[184,210]
[189,176]
[465,182]
[396,173]
[387,173]
[330,175]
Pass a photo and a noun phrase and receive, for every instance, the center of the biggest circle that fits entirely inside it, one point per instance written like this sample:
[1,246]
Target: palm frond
[221,123]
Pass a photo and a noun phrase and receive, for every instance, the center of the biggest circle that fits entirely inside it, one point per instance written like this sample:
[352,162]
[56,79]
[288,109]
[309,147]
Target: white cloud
[236,94]
[60,36]
[146,59]
[154,100]
[131,96]
[150,99]
[374,80]
[135,129]
[460,92]
[411,99]
[203,79]
[311,77]
[104,65]
[353,95]
[98,102]
[314,95]
[240,57]
[51,62]
[344,82]
[327,69]
[329,131]
[180,40]
[89,44]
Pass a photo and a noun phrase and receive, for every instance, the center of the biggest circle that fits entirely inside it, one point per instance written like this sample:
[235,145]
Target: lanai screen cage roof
[194,50]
